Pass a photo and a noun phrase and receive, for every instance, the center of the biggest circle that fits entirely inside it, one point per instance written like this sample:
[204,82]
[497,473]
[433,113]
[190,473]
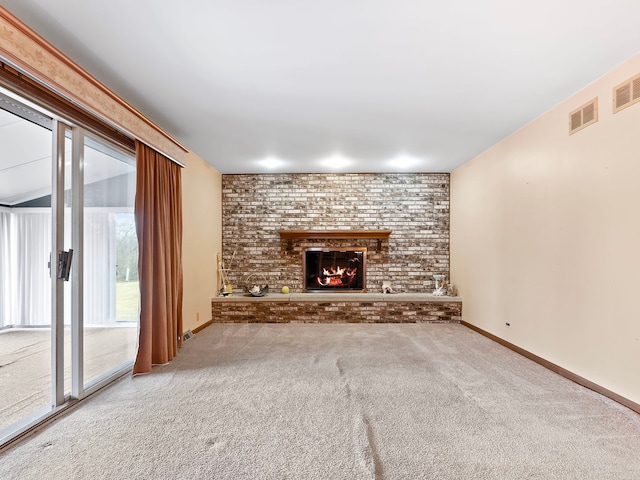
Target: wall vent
[626,94]
[583,116]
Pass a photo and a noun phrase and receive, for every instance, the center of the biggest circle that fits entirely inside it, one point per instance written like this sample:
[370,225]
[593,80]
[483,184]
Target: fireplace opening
[336,269]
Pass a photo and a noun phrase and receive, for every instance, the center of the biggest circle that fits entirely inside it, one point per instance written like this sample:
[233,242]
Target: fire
[337,277]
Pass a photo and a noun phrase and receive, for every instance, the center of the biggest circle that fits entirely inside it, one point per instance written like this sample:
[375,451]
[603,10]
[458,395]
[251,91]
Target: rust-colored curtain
[158,212]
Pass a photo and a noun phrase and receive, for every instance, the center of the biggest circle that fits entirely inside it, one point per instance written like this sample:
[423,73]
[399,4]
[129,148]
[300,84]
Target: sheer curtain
[158,212]
[25,290]
[31,239]
[5,292]
[99,267]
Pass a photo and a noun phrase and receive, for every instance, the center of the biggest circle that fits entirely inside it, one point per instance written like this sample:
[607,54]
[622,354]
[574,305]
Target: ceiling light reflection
[271,162]
[337,161]
[403,161]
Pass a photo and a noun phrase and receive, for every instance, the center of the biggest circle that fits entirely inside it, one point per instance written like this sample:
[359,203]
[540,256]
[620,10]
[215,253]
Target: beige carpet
[319,401]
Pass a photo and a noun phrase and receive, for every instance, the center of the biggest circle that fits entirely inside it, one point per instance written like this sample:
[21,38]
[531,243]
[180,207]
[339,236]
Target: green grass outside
[127,295]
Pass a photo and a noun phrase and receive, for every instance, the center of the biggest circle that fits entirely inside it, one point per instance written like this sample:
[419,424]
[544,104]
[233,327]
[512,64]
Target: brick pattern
[415,206]
[335,312]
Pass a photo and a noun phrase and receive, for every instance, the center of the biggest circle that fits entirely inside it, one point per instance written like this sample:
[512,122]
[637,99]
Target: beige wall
[202,238]
[545,235]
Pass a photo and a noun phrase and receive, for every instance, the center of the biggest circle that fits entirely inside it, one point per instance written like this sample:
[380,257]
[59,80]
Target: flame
[334,272]
[337,277]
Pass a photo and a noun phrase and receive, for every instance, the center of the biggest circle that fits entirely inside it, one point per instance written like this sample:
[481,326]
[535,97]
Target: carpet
[346,401]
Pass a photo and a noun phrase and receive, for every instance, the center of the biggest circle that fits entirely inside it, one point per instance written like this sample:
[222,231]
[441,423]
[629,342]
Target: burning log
[338,277]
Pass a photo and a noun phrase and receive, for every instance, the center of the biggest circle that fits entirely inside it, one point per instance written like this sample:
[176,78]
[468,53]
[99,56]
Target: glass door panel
[25,245]
[110,269]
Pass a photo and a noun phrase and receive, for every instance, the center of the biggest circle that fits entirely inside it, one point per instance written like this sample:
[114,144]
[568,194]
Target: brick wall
[414,206]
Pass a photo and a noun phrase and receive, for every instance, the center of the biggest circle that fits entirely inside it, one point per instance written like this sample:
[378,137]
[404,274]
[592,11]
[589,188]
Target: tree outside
[126,248]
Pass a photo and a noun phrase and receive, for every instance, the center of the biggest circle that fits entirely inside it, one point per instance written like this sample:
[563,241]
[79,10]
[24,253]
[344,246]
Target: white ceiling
[340,85]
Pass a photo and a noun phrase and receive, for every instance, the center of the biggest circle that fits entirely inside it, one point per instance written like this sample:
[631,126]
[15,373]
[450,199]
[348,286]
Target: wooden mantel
[290,235]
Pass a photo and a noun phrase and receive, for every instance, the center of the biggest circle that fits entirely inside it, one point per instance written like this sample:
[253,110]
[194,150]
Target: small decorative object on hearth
[441,289]
[285,290]
[256,289]
[451,290]
[386,288]
[223,275]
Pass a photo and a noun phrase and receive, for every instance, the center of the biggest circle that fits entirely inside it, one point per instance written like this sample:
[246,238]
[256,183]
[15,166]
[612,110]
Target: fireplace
[334,269]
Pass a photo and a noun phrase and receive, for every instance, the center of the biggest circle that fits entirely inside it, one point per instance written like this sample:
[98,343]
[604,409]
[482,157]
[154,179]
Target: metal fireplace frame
[363,250]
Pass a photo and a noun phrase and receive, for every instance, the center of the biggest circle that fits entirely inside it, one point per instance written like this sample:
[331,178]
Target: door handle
[64,264]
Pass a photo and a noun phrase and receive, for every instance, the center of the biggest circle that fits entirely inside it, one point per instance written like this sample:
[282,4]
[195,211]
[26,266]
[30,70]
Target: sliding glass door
[68,263]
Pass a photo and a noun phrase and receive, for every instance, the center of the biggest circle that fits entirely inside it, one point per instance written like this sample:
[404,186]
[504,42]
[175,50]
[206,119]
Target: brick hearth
[336,308]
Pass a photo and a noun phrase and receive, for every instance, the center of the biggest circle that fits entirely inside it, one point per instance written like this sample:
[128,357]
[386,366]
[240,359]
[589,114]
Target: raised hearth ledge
[340,297]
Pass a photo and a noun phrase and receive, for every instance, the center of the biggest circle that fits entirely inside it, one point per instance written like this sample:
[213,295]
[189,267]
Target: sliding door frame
[77,240]
[57,246]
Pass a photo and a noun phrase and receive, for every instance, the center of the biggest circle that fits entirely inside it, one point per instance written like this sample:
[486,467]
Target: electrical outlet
[197,316]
